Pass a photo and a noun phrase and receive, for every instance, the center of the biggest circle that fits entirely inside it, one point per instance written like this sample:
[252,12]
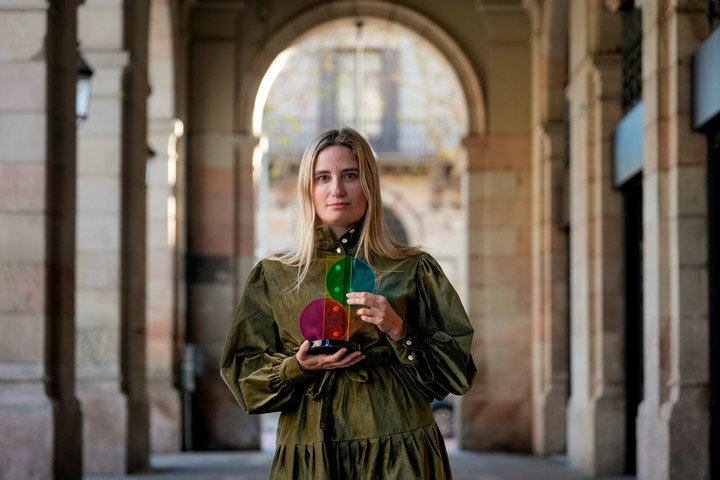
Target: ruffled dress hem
[417,454]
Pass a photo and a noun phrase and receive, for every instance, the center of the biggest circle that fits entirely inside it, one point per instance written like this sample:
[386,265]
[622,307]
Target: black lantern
[82,98]
[149,165]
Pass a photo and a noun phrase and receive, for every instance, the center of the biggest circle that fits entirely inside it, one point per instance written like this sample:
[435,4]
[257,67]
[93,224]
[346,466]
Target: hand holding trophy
[326,322]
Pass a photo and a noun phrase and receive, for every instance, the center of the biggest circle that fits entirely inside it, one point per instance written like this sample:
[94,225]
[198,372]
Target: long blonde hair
[375,237]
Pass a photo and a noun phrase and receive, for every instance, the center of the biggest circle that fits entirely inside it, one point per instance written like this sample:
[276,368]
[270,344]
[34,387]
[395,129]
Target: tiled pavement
[256,465]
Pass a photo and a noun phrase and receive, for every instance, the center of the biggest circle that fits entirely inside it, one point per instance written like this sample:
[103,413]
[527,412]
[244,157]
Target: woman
[351,414]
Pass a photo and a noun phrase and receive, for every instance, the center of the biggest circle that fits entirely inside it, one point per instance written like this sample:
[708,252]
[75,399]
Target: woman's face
[337,194]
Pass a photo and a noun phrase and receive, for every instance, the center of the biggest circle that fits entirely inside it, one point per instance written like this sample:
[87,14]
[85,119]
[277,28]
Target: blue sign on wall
[629,145]
[706,81]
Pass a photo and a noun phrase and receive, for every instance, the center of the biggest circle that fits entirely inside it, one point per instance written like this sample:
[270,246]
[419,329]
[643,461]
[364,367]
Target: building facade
[588,187]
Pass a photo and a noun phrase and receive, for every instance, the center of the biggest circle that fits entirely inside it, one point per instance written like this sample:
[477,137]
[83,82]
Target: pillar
[673,420]
[550,292]
[496,412]
[40,423]
[165,139]
[550,203]
[595,423]
[112,154]
[220,215]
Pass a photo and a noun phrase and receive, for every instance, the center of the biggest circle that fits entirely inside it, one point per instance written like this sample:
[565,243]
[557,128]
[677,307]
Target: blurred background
[559,158]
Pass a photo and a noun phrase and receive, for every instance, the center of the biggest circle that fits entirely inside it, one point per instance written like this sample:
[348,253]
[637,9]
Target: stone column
[162,347]
[99,259]
[596,415]
[550,287]
[673,420]
[496,412]
[246,148]
[220,212]
[164,135]
[111,239]
[40,426]
[472,182]
[136,90]
[550,203]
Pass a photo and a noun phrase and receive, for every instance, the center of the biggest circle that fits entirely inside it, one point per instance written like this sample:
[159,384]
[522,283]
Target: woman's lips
[339,205]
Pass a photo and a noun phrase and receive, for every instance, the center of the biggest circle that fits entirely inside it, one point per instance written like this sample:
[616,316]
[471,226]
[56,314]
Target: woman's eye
[351,175]
[322,178]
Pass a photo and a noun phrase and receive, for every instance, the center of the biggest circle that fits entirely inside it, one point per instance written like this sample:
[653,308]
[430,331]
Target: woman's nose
[338,190]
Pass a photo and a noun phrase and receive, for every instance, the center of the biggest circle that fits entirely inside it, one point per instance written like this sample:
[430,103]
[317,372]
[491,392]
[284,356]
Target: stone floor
[256,465]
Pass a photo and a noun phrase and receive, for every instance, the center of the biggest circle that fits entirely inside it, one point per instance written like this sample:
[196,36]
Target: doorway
[633,325]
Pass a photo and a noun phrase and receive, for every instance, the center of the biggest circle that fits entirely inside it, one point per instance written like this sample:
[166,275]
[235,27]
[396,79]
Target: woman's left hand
[377,310]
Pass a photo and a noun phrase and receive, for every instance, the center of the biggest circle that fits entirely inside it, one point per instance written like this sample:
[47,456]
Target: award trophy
[325,322]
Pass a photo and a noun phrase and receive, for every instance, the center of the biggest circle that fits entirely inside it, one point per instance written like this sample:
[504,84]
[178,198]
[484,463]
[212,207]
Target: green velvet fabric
[372,420]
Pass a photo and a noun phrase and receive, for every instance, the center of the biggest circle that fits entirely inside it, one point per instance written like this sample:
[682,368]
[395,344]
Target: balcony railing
[412,138]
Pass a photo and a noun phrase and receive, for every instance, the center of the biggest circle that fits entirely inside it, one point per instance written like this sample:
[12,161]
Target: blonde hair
[374,238]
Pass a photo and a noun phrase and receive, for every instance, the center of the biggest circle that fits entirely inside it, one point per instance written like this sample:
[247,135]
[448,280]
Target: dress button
[344,240]
[408,342]
[411,358]
[352,230]
[339,250]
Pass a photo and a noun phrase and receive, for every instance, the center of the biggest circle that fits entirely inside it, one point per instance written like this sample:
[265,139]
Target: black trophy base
[328,347]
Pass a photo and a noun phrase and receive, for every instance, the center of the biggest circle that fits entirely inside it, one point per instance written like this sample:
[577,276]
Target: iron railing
[410,137]
[713,13]
[631,55]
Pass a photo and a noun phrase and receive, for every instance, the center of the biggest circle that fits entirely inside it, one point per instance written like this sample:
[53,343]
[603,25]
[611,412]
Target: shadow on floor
[256,466]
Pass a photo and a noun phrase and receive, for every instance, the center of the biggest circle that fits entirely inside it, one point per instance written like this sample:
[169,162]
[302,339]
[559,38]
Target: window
[378,94]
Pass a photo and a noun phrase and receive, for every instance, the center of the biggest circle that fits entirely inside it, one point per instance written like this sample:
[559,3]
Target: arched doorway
[224,139]
[397,89]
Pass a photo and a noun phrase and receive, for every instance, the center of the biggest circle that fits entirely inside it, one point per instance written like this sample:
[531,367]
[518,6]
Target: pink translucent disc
[324,318]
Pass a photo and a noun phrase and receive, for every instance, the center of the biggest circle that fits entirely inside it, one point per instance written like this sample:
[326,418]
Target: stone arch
[406,214]
[425,27]
[395,226]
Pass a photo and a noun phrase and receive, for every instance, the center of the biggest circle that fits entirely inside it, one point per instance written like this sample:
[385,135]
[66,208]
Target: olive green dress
[372,420]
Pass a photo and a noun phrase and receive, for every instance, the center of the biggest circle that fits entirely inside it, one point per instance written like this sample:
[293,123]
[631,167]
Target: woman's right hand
[311,363]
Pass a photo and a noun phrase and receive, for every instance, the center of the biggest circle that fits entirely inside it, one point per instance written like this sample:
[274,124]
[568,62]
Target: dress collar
[325,240]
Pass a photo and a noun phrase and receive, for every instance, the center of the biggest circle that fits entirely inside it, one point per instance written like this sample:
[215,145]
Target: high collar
[325,240]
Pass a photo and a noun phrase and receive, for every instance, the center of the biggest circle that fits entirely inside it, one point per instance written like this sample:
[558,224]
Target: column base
[105,429]
[27,430]
[652,443]
[550,422]
[68,439]
[220,422]
[165,417]
[596,436]
[494,424]
[673,438]
[690,436]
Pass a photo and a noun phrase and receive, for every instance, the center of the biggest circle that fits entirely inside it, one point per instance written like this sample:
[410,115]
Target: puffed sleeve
[436,345]
[261,375]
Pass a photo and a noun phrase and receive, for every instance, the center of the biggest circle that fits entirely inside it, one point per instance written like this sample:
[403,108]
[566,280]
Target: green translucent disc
[349,275]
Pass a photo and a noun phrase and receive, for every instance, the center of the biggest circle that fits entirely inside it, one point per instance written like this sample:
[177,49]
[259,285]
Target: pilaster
[495,413]
[99,231]
[595,436]
[550,287]
[673,421]
[220,220]
[111,239]
[163,332]
[40,423]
